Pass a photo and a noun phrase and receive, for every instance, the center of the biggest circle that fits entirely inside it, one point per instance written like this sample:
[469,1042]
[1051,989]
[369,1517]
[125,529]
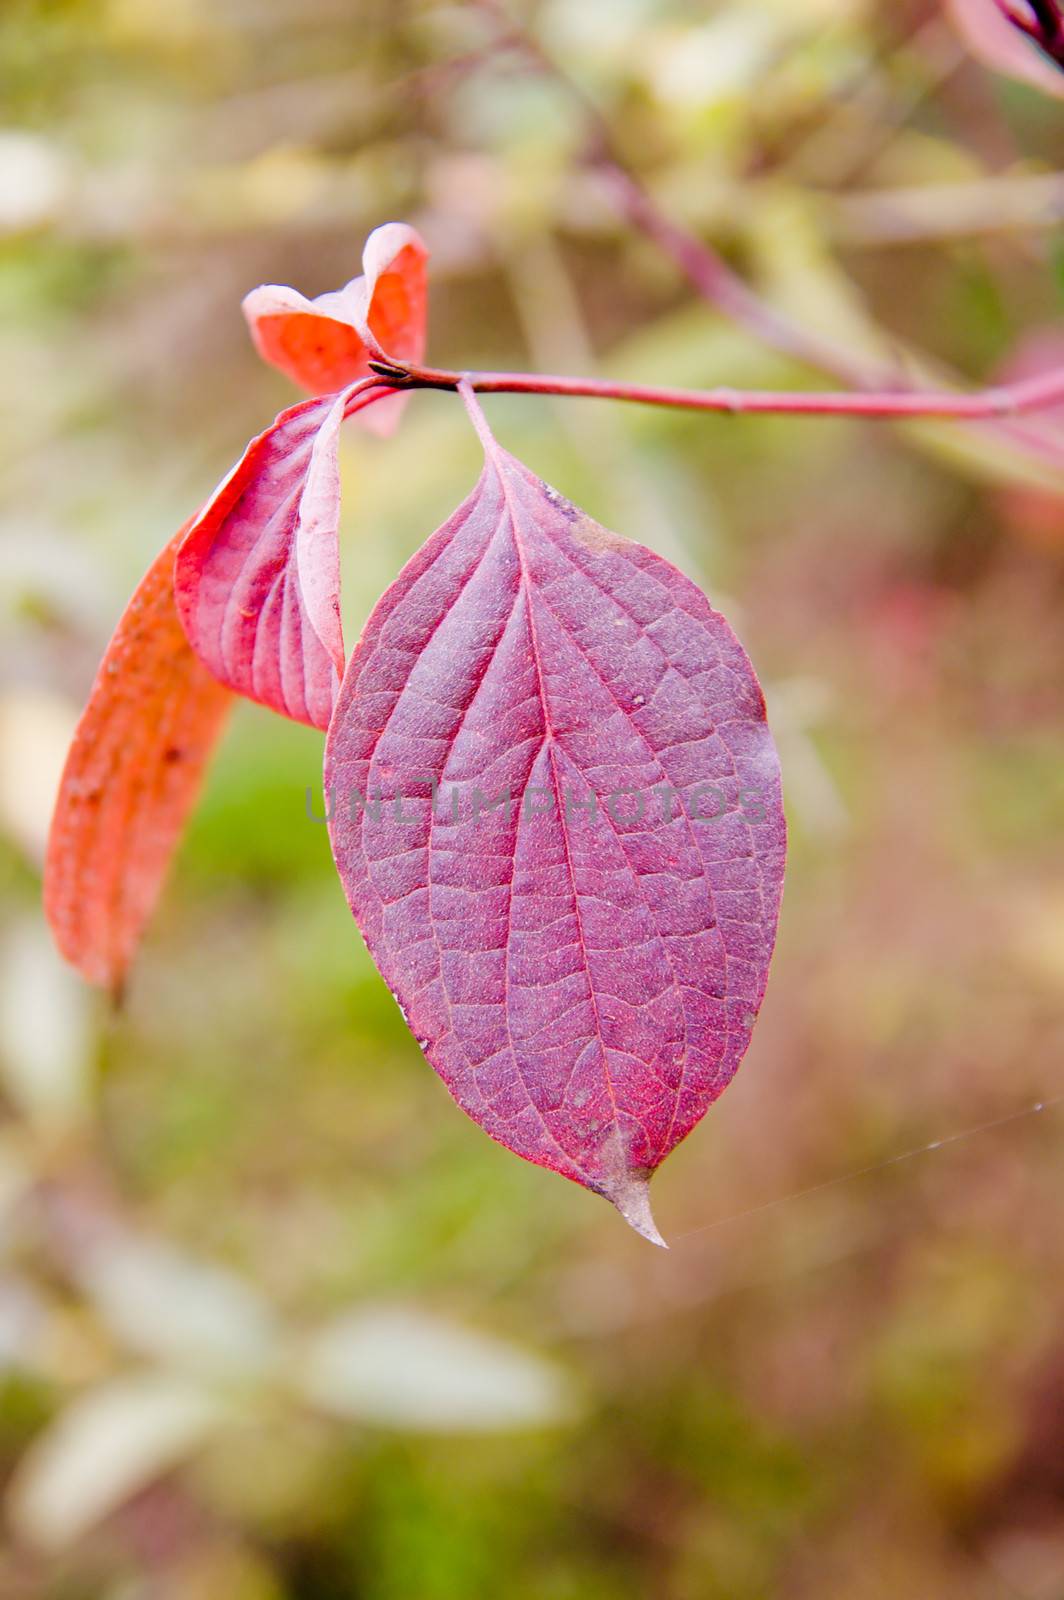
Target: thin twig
[1033,394]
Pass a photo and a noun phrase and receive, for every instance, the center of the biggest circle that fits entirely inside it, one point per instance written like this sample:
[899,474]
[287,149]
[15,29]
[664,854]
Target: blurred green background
[276,1321]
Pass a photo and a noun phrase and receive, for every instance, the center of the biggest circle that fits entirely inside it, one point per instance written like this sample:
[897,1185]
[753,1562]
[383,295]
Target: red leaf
[584,985]
[318,343]
[131,777]
[258,574]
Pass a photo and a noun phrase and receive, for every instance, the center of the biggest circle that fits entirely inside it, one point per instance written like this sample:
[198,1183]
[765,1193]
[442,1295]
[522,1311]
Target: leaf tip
[631,1196]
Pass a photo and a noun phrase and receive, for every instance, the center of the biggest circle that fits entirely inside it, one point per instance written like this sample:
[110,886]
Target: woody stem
[1033,394]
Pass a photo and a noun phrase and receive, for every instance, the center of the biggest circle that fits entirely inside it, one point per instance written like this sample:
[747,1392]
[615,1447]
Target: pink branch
[715,281]
[1033,394]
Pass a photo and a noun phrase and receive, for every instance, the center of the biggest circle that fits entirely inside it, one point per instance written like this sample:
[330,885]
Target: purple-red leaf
[130,780]
[258,574]
[583,966]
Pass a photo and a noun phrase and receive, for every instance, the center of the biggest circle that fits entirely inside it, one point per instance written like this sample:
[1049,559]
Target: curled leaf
[258,573]
[319,343]
[132,775]
[555,809]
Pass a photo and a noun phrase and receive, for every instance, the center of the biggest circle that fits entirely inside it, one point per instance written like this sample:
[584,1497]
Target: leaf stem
[1033,394]
[476,415]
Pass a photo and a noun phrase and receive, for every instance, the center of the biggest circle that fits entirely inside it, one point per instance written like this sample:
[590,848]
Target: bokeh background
[276,1321]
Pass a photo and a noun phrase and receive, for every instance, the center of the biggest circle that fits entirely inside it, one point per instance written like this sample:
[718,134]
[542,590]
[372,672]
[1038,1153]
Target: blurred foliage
[276,1321]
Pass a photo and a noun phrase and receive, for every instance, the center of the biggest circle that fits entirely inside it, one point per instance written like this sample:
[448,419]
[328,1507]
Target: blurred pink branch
[721,286]
[703,266]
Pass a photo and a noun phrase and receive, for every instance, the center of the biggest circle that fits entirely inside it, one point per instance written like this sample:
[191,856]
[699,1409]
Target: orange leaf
[317,343]
[131,777]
